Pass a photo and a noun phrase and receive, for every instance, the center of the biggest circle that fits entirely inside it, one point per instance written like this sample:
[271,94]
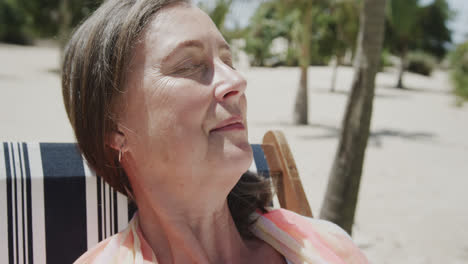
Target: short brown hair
[93,76]
[94,68]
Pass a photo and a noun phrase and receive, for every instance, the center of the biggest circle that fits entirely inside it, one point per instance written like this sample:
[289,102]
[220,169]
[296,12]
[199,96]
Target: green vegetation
[435,35]
[333,31]
[13,23]
[421,63]
[417,34]
[345,26]
[459,64]
[265,26]
[281,32]
[332,27]
[21,21]
[385,60]
[412,27]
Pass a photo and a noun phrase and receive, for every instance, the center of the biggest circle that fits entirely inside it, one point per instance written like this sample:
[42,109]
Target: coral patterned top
[299,239]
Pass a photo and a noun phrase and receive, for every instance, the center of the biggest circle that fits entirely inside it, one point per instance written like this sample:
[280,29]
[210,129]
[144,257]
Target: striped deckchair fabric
[53,208]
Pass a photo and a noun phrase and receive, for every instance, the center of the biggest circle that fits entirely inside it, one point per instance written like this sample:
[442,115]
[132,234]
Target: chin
[236,159]
[228,164]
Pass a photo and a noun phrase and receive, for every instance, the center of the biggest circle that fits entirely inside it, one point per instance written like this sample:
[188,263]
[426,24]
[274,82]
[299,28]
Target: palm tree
[346,25]
[301,36]
[299,18]
[403,17]
[343,186]
[301,107]
[65,25]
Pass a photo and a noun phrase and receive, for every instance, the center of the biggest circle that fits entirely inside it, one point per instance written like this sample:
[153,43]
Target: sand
[412,204]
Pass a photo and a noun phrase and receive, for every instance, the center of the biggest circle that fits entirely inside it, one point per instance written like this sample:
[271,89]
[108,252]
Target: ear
[117,140]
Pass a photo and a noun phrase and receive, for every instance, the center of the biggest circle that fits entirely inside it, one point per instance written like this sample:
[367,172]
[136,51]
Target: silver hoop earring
[120,155]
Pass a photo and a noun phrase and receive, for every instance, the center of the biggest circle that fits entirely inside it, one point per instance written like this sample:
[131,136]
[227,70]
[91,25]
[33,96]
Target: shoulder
[127,246]
[106,250]
[319,233]
[92,255]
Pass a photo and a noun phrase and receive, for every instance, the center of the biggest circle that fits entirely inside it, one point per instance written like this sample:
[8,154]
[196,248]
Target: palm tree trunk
[402,69]
[65,28]
[301,108]
[336,64]
[343,186]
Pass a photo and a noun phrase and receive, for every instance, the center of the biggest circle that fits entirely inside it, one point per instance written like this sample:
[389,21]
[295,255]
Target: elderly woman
[160,113]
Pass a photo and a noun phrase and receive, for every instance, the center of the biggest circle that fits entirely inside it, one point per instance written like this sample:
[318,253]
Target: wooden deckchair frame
[284,174]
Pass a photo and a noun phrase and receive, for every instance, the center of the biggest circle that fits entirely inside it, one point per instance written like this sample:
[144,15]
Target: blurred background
[300,58]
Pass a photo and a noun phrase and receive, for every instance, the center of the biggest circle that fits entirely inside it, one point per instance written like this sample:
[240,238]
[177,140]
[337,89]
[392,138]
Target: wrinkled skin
[183,135]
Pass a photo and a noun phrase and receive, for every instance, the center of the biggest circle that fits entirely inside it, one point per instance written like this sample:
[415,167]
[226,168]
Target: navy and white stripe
[65,203]
[3,207]
[48,195]
[16,209]
[106,209]
[37,195]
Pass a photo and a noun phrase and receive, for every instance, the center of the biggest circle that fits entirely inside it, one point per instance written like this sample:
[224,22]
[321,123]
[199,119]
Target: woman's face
[184,112]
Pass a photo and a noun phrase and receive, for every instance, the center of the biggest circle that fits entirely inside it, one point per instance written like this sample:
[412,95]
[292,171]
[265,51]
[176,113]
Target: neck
[191,223]
[193,237]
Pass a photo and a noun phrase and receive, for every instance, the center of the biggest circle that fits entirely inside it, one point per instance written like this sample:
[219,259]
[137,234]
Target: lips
[232,123]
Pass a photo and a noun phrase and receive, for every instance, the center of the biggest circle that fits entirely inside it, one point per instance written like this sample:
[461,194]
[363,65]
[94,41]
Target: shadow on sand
[416,90]
[375,138]
[346,94]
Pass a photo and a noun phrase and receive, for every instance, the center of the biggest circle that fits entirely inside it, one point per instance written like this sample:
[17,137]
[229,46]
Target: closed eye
[190,69]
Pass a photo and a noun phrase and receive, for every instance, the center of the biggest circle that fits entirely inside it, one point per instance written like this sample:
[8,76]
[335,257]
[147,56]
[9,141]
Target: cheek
[176,117]
[169,100]
[188,102]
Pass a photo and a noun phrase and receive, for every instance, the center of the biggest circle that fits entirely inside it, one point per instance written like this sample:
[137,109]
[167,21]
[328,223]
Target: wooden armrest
[284,173]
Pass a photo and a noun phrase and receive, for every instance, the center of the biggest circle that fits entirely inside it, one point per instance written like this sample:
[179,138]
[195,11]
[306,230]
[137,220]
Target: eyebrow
[192,43]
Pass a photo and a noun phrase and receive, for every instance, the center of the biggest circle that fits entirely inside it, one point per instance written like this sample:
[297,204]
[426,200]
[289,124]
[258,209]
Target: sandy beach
[413,200]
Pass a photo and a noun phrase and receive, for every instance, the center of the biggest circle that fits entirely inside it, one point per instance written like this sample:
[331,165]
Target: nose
[229,84]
